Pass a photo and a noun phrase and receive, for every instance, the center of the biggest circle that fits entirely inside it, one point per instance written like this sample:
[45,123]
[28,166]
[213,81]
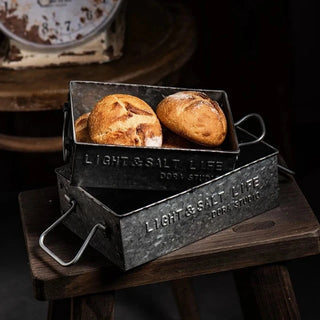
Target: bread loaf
[124,119]
[81,128]
[194,116]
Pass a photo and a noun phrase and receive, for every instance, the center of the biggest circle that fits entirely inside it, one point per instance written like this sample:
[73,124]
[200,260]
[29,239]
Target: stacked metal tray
[154,217]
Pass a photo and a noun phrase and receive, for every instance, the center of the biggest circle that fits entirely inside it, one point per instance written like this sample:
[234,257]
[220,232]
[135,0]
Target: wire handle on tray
[263,128]
[65,138]
[83,247]
[282,169]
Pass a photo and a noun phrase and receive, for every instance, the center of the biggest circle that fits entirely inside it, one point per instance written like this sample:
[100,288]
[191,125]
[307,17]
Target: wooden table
[254,250]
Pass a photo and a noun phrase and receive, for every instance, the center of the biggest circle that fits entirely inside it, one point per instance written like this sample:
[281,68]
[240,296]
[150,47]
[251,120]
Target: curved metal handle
[263,128]
[65,138]
[286,170]
[83,247]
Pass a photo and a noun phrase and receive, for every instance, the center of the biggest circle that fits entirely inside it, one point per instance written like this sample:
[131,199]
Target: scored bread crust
[124,120]
[194,116]
[81,128]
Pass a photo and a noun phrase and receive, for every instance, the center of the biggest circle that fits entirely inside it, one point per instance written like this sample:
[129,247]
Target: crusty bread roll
[124,120]
[194,116]
[81,128]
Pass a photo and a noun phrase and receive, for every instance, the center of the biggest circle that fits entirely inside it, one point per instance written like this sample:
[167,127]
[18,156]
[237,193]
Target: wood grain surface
[93,307]
[185,299]
[266,292]
[287,232]
[30,144]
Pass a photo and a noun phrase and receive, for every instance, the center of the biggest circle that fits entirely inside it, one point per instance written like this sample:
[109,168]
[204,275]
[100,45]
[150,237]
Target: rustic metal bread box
[133,227]
[126,167]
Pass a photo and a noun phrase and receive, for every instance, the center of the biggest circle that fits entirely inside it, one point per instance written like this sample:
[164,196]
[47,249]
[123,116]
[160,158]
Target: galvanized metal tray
[126,167]
[132,227]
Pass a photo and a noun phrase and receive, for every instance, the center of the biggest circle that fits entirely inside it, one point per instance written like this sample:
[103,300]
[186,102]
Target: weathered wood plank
[266,293]
[185,299]
[30,144]
[93,307]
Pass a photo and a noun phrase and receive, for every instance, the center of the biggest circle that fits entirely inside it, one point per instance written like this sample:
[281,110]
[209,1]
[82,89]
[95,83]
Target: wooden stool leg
[59,309]
[184,295]
[94,307]
[266,293]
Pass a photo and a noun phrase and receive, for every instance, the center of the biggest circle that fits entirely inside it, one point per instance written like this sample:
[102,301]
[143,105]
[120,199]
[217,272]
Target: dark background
[264,54]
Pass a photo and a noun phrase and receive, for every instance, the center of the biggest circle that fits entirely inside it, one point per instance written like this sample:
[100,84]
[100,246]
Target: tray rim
[233,151]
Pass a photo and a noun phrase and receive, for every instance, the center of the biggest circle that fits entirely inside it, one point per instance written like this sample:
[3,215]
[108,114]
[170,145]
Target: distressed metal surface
[143,225]
[102,46]
[125,167]
[49,24]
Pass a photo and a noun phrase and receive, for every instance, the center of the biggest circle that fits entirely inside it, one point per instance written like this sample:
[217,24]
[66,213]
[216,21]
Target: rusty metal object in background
[48,33]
